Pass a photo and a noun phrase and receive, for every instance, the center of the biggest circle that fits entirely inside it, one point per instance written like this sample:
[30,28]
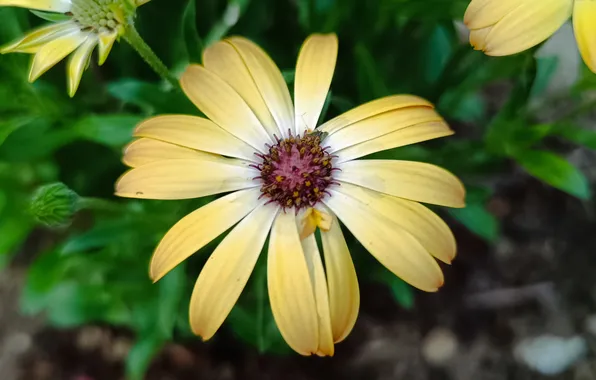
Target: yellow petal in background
[319,284]
[314,71]
[344,294]
[584,26]
[269,81]
[222,104]
[483,13]
[380,125]
[78,62]
[106,42]
[200,227]
[290,289]
[392,246]
[402,137]
[145,151]
[58,6]
[184,179]
[196,133]
[35,39]
[430,230]
[54,51]
[226,273]
[532,22]
[416,181]
[373,108]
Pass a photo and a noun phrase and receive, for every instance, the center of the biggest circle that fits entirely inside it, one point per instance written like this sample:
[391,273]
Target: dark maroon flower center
[296,171]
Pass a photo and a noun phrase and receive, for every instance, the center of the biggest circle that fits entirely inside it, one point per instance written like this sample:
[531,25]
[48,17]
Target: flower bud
[54,205]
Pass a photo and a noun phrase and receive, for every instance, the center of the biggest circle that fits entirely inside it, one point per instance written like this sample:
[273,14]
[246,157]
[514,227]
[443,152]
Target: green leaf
[436,53]
[111,130]
[477,219]
[11,125]
[577,135]
[101,235]
[171,291]
[402,293]
[555,171]
[140,355]
[194,44]
[545,68]
[151,98]
[231,16]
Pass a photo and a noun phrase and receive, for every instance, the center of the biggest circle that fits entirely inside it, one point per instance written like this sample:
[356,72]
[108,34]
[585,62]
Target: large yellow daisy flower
[87,24]
[286,177]
[503,27]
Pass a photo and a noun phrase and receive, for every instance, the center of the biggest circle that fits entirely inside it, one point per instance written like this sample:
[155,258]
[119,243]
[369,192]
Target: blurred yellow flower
[286,179]
[83,25]
[503,27]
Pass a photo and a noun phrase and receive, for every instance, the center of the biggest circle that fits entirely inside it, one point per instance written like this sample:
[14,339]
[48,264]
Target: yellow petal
[54,51]
[373,108]
[222,104]
[58,6]
[528,25]
[225,61]
[35,39]
[410,135]
[106,42]
[380,125]
[344,294]
[319,284]
[314,71]
[584,25]
[200,227]
[184,179]
[290,290]
[478,37]
[78,62]
[430,230]
[483,13]
[226,273]
[395,248]
[270,82]
[416,181]
[145,151]
[196,133]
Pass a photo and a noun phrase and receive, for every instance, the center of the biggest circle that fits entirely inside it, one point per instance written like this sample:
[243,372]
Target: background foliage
[95,270]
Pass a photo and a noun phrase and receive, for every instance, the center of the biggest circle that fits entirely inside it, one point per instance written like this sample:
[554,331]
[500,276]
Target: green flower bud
[54,205]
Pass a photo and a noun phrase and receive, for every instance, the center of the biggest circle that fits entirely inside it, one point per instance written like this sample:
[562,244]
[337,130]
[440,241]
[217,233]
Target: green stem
[135,40]
[97,204]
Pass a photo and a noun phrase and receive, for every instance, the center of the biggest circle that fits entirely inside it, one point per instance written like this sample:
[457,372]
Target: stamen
[296,171]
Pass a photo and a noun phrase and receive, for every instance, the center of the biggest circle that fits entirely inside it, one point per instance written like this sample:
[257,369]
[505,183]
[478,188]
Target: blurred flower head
[78,27]
[287,177]
[54,205]
[503,27]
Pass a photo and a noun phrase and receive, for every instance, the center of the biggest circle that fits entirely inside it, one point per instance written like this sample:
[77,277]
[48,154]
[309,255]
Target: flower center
[296,171]
[98,14]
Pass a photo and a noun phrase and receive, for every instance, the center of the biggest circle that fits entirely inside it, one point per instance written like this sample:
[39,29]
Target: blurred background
[519,302]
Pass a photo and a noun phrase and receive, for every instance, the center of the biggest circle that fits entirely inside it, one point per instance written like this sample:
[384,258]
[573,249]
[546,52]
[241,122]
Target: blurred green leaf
[555,171]
[11,125]
[141,354]
[171,291]
[194,44]
[402,293]
[477,219]
[151,98]
[111,130]
[577,135]
[545,68]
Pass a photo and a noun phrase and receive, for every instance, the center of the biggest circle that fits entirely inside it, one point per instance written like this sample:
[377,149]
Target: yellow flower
[85,25]
[503,27]
[285,179]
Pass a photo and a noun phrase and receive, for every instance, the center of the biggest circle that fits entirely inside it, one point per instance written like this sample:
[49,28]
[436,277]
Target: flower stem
[97,204]
[135,40]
